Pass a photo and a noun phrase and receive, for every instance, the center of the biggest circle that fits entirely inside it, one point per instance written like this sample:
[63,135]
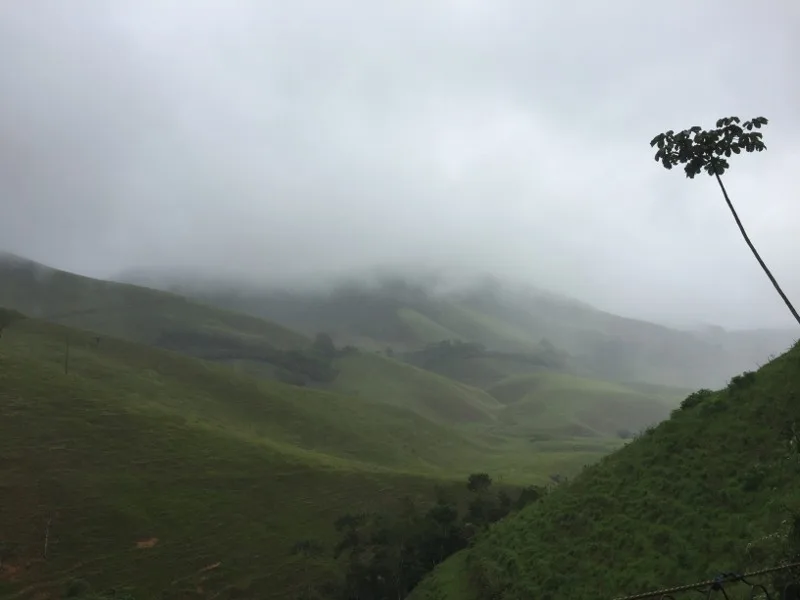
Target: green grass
[126,311]
[679,504]
[135,443]
[424,329]
[564,404]
[428,394]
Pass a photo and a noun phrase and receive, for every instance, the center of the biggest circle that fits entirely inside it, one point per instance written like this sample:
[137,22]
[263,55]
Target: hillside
[428,394]
[147,462]
[406,314]
[693,497]
[555,404]
[157,318]
[123,310]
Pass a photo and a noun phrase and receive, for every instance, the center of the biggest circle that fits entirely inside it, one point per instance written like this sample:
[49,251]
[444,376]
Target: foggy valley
[371,301]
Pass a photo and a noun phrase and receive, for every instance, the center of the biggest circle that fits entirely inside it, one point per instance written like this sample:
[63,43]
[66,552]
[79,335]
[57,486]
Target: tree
[479,482]
[7,317]
[323,344]
[708,150]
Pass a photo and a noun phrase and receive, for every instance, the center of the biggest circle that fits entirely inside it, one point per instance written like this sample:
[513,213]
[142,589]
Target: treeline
[297,367]
[383,556]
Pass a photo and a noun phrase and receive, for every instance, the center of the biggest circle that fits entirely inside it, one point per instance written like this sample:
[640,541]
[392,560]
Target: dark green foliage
[8,317]
[528,495]
[743,381]
[696,398]
[713,489]
[479,482]
[324,346]
[385,556]
[296,367]
[307,548]
[701,150]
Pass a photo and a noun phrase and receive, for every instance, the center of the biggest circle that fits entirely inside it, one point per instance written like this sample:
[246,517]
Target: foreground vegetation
[283,465]
[697,495]
[130,460]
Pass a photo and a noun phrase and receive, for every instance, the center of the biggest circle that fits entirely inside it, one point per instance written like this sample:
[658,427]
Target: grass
[424,329]
[679,504]
[214,474]
[126,311]
[565,404]
[408,315]
[433,396]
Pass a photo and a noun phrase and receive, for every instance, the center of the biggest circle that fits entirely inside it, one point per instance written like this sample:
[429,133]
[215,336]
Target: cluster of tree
[7,317]
[297,367]
[385,556]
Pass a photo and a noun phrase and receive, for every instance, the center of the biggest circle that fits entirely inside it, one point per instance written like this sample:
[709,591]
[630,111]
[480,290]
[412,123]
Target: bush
[696,398]
[743,381]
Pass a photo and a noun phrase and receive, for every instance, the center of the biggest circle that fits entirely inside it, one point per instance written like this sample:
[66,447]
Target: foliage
[479,482]
[708,151]
[386,555]
[7,318]
[324,346]
[701,150]
[678,504]
[696,398]
[138,445]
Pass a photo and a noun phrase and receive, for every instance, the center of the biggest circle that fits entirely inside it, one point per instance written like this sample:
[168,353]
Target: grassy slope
[561,403]
[677,505]
[136,443]
[122,310]
[431,395]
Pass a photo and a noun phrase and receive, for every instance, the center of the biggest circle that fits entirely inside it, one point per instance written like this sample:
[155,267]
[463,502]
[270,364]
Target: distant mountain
[407,313]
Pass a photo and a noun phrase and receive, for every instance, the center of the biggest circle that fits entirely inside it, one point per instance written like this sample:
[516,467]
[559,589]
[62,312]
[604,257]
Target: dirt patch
[210,567]
[147,543]
[8,572]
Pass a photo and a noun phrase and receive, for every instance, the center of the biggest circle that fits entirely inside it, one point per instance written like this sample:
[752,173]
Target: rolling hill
[711,490]
[393,382]
[123,310]
[551,404]
[136,444]
[157,318]
[136,461]
[444,391]
[406,314]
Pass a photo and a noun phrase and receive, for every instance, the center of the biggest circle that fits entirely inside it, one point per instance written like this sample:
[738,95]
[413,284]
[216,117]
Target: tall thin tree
[708,150]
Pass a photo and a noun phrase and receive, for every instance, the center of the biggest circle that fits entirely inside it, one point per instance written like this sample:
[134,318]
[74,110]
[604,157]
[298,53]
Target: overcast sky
[270,138]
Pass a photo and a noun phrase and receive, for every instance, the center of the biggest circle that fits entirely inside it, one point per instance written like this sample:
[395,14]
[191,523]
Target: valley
[143,432]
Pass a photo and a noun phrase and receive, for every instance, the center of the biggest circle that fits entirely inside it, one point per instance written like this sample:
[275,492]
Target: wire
[713,584]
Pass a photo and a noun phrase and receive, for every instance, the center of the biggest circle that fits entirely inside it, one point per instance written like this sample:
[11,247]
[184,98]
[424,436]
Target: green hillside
[151,467]
[159,319]
[693,497]
[563,404]
[408,315]
[433,396]
[126,311]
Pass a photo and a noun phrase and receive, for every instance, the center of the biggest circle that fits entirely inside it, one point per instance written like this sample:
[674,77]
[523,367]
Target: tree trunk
[755,252]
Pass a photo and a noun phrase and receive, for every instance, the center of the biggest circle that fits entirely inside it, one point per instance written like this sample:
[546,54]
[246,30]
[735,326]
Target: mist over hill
[407,308]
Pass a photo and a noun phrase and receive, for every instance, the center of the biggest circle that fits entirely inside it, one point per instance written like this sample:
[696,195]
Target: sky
[275,140]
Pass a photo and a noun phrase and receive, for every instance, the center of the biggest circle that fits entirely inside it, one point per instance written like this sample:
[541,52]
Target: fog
[271,140]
